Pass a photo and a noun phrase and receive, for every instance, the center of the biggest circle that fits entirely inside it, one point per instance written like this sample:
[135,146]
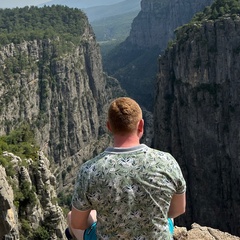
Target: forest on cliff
[30,23]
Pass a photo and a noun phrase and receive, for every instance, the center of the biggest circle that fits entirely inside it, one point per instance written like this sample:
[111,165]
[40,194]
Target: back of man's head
[124,115]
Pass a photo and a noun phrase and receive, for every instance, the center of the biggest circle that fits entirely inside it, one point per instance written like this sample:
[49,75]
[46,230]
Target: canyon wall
[197,115]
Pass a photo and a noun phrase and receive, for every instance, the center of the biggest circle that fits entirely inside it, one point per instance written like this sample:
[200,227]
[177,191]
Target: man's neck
[126,141]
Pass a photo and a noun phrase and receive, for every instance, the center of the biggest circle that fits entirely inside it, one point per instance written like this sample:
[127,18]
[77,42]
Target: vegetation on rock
[21,143]
[30,23]
[220,8]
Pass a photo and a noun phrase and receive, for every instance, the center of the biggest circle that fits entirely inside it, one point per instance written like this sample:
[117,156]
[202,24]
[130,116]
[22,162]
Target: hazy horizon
[17,3]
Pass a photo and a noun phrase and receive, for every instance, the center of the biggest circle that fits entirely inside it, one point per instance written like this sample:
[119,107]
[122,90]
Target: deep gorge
[59,89]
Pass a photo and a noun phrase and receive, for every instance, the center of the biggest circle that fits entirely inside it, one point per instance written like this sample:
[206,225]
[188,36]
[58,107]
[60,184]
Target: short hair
[123,115]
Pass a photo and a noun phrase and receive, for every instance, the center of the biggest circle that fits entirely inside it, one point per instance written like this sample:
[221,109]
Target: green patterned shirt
[131,189]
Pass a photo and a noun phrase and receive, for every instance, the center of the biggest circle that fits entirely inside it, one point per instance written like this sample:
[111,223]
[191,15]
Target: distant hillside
[111,19]
[113,30]
[100,12]
[82,3]
[115,27]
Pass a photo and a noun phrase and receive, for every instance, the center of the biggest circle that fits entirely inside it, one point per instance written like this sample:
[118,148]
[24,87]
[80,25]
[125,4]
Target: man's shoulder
[160,153]
[89,163]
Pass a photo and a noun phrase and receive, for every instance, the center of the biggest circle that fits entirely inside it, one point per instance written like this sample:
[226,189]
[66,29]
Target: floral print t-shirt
[131,189]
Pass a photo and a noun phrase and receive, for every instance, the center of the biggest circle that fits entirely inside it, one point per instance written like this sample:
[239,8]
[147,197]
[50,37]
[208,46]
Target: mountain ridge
[101,12]
[82,4]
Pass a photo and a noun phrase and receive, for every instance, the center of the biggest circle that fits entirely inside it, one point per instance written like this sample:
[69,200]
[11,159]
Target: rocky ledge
[198,232]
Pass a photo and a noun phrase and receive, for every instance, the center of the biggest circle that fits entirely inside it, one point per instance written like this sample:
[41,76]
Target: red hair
[124,115]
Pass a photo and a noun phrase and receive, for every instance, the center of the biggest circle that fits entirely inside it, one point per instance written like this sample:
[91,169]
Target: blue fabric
[90,233]
[171,225]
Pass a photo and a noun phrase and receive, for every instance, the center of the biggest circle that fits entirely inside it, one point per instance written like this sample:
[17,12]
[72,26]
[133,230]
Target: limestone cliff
[57,97]
[59,88]
[29,207]
[134,62]
[197,115]
[9,217]
[157,20]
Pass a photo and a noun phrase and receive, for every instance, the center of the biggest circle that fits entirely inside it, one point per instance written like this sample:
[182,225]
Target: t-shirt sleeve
[178,179]
[80,200]
[181,185]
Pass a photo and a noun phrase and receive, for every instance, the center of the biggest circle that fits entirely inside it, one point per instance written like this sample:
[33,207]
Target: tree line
[218,9]
[30,23]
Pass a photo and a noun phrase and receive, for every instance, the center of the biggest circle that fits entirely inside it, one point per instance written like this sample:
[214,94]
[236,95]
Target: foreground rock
[201,233]
[28,201]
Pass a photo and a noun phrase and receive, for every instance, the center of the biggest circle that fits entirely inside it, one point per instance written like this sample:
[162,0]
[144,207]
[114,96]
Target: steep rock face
[61,93]
[8,218]
[196,118]
[155,24]
[134,62]
[33,190]
[58,88]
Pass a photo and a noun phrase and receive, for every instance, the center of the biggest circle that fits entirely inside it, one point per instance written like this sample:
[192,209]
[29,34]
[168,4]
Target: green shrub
[24,195]
[41,234]
[64,199]
[25,230]
[19,142]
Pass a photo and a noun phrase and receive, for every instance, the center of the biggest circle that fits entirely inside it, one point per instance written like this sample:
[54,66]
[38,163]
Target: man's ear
[141,125]
[108,126]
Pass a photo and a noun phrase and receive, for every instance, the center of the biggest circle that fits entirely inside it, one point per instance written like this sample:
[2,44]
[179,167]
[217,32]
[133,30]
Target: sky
[72,3]
[20,3]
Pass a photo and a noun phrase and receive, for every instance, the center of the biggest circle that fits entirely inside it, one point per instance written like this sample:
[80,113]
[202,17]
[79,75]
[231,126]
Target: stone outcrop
[198,232]
[9,217]
[29,200]
[197,115]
